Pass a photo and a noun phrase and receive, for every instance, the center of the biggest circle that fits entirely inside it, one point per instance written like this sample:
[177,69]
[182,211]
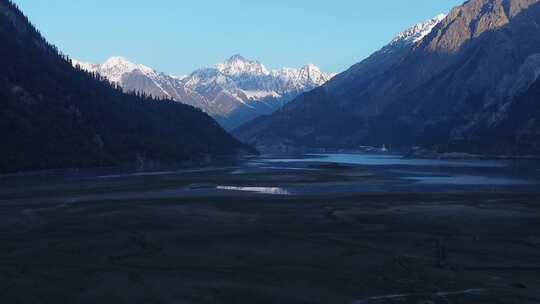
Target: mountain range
[56,116]
[233,92]
[467,83]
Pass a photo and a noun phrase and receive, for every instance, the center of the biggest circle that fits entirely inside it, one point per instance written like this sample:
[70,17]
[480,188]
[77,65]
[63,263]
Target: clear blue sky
[178,36]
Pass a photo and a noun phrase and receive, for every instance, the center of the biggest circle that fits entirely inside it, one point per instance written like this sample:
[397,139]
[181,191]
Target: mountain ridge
[445,92]
[233,92]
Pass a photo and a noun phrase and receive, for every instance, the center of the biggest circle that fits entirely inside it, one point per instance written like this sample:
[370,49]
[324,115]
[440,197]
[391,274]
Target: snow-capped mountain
[260,132]
[234,91]
[466,83]
[238,66]
[389,54]
[134,77]
[417,32]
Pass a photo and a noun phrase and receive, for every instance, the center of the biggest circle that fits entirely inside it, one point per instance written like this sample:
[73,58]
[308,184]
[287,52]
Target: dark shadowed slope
[452,90]
[53,115]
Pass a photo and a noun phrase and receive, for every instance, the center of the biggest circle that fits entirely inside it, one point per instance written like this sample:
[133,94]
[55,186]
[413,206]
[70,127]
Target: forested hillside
[55,116]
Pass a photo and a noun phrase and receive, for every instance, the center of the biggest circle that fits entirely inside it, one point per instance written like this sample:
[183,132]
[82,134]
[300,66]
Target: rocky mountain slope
[233,92]
[56,116]
[452,90]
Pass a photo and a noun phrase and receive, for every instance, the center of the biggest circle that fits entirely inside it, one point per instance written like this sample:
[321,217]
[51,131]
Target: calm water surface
[387,160]
[310,174]
[394,173]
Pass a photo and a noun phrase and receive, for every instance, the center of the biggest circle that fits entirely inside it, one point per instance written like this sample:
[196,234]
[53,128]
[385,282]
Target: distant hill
[55,116]
[233,92]
[465,85]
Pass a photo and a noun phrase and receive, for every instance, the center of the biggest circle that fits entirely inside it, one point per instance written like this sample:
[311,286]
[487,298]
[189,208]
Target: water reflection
[468,180]
[393,173]
[312,174]
[387,160]
[262,190]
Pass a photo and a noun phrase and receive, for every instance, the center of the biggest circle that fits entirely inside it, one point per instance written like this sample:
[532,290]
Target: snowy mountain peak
[90,67]
[312,75]
[115,67]
[117,61]
[238,65]
[234,91]
[311,68]
[237,57]
[417,32]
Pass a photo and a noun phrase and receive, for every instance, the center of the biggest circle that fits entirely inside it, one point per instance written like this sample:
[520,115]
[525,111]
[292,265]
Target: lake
[310,174]
[394,173]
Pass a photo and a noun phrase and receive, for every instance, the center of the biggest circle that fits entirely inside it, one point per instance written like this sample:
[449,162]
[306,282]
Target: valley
[410,177]
[311,229]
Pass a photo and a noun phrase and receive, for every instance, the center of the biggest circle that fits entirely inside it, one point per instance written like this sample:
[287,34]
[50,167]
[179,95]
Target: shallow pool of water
[261,190]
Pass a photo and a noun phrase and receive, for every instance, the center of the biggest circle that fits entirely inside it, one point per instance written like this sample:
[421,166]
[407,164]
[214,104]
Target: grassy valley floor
[376,248]
[271,232]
